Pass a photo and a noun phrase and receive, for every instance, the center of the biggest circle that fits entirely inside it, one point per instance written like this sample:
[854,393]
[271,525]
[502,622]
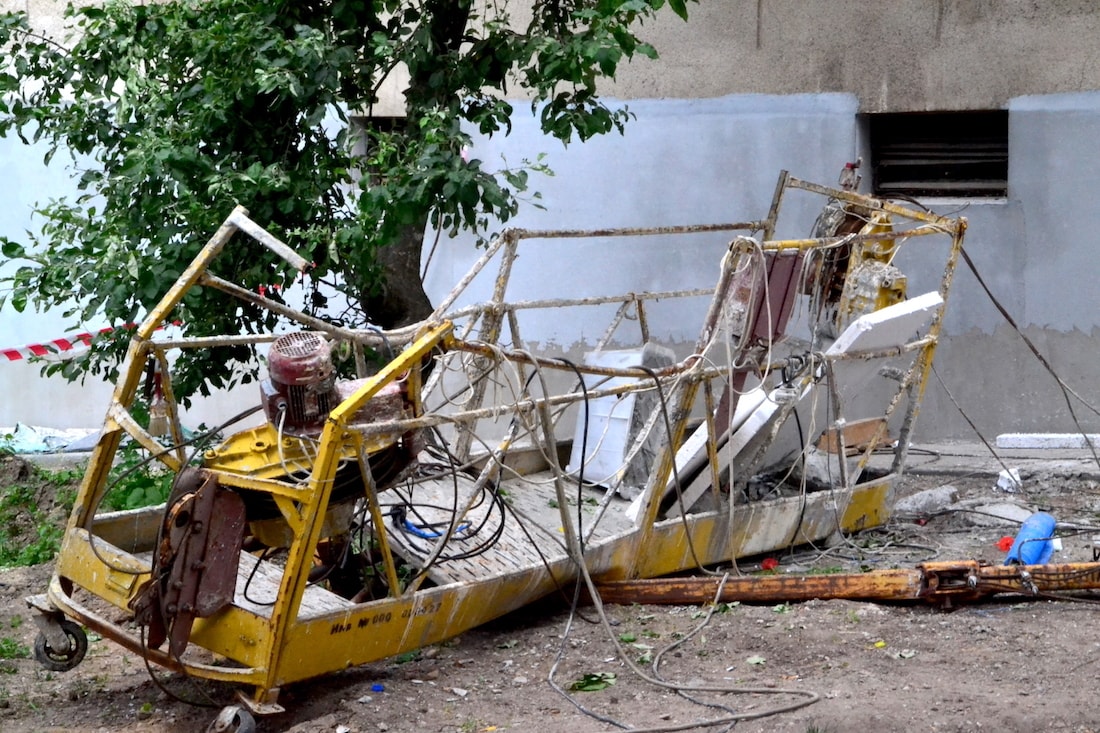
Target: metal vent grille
[298,344]
[940,153]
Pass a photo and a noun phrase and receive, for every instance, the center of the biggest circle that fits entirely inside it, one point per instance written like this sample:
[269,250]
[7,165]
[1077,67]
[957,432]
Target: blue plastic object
[1033,545]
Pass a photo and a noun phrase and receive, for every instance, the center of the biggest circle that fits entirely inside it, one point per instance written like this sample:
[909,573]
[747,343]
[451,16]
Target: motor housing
[300,390]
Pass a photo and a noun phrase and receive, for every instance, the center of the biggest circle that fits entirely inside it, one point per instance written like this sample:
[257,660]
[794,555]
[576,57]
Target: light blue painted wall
[1055,143]
[26,181]
[716,160]
[1037,252]
[680,162]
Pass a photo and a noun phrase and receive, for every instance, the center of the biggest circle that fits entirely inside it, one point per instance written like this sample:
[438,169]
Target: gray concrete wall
[46,16]
[902,55]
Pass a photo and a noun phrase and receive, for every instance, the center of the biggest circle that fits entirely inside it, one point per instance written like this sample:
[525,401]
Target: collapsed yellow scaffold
[366,517]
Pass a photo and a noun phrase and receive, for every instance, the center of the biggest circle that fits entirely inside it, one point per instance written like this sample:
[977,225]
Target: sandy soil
[1011,664]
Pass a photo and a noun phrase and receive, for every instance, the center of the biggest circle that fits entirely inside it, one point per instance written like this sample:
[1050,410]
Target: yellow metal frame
[105,555]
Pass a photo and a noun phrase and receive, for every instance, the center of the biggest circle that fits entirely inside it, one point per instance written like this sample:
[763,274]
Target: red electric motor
[300,390]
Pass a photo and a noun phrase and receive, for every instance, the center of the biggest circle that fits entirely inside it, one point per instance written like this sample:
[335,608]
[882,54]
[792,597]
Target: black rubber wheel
[62,661]
[233,719]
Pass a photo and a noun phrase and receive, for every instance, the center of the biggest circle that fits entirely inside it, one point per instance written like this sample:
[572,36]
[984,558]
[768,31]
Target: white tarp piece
[29,439]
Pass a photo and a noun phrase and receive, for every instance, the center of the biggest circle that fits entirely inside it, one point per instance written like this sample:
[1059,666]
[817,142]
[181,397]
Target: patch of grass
[42,549]
[12,649]
[135,481]
[35,502]
[33,507]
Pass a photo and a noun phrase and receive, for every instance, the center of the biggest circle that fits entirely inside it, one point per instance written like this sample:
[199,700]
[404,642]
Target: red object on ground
[1005,543]
[769,563]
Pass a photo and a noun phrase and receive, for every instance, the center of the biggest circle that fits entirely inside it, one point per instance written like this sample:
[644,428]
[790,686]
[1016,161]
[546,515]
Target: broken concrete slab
[1047,441]
[929,501]
[981,513]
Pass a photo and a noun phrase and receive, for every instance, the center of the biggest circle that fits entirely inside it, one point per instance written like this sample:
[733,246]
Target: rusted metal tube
[939,582]
[885,585]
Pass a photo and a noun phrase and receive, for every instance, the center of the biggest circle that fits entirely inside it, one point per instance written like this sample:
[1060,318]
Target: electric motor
[301,387]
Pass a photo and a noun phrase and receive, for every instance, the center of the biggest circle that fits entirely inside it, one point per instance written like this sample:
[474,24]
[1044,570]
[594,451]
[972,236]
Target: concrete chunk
[1047,441]
[929,501]
[984,514]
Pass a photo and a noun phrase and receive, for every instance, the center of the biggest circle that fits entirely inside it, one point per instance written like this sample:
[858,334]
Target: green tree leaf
[12,250]
[177,111]
[593,682]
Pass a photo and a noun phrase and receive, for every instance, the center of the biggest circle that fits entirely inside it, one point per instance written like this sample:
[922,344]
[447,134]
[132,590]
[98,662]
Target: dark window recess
[940,153]
[360,128]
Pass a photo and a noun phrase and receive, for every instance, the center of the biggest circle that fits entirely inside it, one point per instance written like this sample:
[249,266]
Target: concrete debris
[1009,481]
[32,439]
[819,466]
[929,501]
[1047,441]
[983,514]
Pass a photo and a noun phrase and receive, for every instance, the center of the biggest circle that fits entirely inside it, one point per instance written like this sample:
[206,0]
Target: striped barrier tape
[54,346]
[78,341]
[59,346]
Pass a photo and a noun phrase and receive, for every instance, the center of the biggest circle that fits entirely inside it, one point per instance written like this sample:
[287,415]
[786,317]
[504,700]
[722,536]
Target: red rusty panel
[774,303]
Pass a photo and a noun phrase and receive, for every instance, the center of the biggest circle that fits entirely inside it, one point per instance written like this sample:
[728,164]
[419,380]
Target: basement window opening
[361,129]
[940,154]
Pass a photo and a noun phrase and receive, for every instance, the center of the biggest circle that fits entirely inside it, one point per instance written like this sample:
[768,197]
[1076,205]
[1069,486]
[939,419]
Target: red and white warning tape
[57,347]
[54,346]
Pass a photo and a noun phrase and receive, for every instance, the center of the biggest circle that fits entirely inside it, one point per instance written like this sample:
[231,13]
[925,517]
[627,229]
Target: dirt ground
[1010,664]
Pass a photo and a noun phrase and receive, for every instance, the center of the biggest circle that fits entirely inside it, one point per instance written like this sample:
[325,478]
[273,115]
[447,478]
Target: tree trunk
[401,300]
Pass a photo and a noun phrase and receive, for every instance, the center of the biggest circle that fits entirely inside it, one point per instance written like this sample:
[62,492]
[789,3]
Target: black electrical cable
[494,537]
[802,493]
[252,574]
[197,439]
[966,417]
[584,449]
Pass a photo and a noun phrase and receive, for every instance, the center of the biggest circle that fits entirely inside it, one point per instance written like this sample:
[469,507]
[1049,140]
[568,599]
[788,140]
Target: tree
[176,111]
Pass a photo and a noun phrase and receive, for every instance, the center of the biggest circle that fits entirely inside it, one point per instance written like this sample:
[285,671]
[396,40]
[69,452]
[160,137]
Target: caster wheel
[233,719]
[56,661]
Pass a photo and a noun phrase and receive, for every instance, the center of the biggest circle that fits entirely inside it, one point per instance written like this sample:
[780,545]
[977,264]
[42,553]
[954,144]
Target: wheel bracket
[47,617]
